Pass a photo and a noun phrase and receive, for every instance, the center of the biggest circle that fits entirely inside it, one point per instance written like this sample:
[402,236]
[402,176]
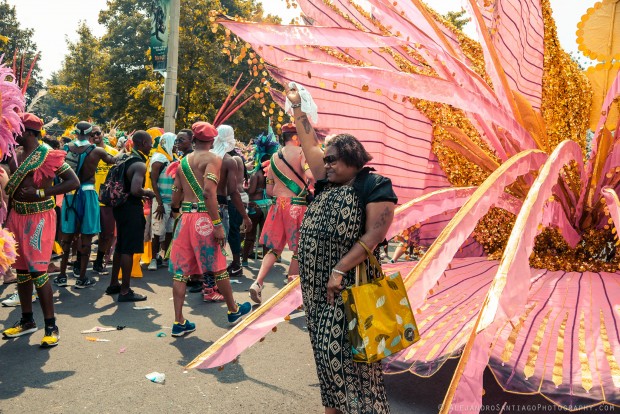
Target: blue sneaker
[242,309]
[180,329]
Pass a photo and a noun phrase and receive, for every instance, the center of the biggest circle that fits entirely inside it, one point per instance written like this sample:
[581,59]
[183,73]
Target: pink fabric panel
[482,200]
[423,87]
[436,203]
[517,30]
[507,296]
[554,216]
[397,137]
[573,299]
[250,330]
[325,16]
[612,93]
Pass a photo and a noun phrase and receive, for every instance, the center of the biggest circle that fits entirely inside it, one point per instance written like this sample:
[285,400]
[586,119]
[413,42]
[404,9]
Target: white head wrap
[166,142]
[307,103]
[225,140]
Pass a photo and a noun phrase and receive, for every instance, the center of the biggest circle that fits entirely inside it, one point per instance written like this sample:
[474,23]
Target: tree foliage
[80,83]
[117,80]
[457,18]
[13,39]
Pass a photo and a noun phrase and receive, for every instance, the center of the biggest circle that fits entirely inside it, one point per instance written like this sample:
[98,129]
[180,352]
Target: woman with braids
[351,205]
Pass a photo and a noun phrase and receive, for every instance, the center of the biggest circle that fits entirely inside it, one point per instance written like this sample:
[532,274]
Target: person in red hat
[199,237]
[287,181]
[32,220]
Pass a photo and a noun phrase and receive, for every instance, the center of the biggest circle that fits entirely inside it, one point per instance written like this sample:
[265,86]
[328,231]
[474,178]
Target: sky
[56,21]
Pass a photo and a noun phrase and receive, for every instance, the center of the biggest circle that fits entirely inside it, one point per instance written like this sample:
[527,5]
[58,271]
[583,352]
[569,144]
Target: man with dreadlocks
[264,147]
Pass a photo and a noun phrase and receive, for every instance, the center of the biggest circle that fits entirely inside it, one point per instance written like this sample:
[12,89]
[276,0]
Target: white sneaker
[256,293]
[152,265]
[13,300]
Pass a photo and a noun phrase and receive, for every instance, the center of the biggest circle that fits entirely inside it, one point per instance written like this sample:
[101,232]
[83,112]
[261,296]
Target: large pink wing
[517,31]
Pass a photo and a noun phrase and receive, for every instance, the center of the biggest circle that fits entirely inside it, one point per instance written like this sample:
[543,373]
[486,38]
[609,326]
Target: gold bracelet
[41,193]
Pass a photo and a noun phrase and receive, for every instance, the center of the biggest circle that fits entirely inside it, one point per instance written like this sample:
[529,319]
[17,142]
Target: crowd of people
[187,196]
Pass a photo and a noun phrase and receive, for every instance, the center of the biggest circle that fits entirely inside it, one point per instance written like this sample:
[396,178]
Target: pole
[170,89]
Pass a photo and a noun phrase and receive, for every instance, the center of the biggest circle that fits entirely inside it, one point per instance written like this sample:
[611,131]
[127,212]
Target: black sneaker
[131,296]
[84,283]
[235,271]
[160,262]
[60,281]
[98,267]
[113,290]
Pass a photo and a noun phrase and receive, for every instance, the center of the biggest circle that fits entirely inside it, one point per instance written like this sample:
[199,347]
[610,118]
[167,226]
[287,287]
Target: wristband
[298,105]
[339,272]
[175,209]
[41,193]
[217,222]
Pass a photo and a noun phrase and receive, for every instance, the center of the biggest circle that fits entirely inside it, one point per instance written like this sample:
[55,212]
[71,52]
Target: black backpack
[113,192]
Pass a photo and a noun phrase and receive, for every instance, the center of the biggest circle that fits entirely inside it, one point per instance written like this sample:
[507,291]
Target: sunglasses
[330,159]
[95,133]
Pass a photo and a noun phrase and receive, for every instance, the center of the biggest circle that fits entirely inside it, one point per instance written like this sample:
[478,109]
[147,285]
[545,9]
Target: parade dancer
[284,217]
[199,237]
[33,222]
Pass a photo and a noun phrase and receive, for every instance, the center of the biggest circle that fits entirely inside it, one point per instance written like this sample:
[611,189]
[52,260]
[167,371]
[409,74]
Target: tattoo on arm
[306,123]
[382,220]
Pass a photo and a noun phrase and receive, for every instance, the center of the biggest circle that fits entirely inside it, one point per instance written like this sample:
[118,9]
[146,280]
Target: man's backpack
[113,192]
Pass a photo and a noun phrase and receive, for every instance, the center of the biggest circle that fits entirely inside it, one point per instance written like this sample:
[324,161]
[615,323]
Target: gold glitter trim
[609,353]
[558,365]
[586,372]
[530,364]
[512,339]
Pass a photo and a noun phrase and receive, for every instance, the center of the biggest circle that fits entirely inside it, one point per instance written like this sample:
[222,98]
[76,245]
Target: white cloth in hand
[307,103]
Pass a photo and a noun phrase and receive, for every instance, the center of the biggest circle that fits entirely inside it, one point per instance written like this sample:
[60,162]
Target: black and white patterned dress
[331,225]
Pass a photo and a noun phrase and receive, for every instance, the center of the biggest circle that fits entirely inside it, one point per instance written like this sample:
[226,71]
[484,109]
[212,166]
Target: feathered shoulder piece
[12,103]
[172,169]
[53,161]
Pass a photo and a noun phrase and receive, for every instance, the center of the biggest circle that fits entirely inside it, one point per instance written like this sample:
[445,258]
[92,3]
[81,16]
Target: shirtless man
[235,219]
[80,210]
[199,238]
[285,215]
[108,226]
[228,191]
[32,220]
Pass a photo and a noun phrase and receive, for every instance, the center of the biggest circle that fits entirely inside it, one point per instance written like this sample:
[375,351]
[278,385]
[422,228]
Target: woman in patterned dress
[350,204]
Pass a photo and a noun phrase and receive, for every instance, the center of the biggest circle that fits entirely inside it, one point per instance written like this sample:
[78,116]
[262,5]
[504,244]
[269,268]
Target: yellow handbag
[379,316]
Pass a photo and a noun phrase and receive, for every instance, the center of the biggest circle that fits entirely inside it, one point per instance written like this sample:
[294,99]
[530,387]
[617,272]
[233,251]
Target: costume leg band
[23,277]
[274,253]
[40,281]
[221,276]
[180,278]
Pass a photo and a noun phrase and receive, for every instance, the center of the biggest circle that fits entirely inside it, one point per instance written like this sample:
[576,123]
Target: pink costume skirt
[194,249]
[35,235]
[282,225]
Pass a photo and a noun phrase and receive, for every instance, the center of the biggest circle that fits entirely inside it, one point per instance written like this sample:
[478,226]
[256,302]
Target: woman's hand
[293,96]
[334,287]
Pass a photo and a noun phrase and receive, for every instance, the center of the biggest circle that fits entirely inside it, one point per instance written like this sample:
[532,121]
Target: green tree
[458,18]
[126,41]
[80,85]
[20,40]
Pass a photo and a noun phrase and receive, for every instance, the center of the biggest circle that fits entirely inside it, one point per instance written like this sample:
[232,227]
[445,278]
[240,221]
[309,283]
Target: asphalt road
[274,376]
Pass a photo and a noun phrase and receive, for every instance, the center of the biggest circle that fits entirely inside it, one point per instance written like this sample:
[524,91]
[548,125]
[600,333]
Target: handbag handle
[361,271]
